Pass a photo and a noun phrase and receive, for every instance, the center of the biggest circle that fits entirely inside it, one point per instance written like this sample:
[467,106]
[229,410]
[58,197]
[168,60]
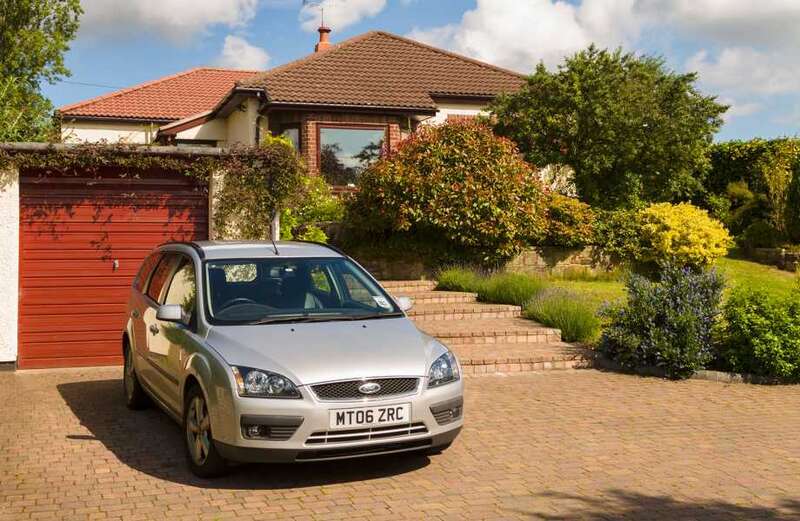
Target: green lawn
[737,273]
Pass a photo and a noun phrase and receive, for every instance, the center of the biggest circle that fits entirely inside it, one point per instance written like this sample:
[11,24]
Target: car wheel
[202,456]
[135,397]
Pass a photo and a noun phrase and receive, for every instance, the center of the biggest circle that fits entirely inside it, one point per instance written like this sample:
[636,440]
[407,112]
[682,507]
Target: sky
[745,51]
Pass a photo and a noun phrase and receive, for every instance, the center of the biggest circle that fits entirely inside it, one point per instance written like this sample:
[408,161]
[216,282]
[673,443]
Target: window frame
[346,126]
[165,291]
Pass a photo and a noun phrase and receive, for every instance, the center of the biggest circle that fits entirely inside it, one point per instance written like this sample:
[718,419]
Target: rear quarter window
[145,270]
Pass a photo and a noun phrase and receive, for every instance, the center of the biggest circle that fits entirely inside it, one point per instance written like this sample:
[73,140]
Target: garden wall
[542,259]
[780,257]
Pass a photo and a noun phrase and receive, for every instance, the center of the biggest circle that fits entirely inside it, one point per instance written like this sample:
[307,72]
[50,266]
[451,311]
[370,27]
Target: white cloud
[745,70]
[518,34]
[237,53]
[339,13]
[175,20]
[733,22]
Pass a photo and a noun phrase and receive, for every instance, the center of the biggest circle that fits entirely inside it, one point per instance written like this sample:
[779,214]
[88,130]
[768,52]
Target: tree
[34,35]
[631,129]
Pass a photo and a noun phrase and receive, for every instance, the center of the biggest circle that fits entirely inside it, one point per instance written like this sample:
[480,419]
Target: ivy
[255,180]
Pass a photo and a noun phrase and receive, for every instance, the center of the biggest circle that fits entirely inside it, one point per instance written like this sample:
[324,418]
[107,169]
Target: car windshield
[262,291]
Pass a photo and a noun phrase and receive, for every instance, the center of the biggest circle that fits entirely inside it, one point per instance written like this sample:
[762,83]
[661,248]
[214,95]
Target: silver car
[283,352]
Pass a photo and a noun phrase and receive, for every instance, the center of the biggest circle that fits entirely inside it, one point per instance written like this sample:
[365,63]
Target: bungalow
[70,243]
[340,105]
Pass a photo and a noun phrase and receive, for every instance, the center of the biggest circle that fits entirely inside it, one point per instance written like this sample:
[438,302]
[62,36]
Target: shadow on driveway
[149,441]
[621,504]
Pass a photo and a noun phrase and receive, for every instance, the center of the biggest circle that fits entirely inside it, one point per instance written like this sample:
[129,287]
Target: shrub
[617,234]
[681,234]
[760,234]
[459,279]
[455,184]
[498,288]
[667,323]
[582,274]
[511,288]
[314,204]
[570,223]
[565,311]
[762,334]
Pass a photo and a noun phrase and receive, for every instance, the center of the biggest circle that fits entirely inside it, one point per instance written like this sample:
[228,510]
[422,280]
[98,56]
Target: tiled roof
[169,98]
[379,69]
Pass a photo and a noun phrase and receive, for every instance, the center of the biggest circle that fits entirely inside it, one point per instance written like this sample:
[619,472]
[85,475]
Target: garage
[81,241]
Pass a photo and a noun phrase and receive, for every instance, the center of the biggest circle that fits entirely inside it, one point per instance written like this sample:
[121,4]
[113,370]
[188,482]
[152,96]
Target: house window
[293,133]
[344,152]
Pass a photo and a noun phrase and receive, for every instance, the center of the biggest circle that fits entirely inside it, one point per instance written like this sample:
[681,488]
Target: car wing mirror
[171,313]
[405,303]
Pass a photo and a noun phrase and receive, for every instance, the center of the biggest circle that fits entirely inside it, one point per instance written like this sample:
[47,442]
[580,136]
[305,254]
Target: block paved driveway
[557,445]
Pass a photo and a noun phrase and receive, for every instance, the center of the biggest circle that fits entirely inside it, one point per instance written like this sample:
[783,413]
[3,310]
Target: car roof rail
[196,247]
[326,245]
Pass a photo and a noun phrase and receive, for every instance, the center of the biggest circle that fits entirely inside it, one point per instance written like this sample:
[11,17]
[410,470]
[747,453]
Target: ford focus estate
[283,352]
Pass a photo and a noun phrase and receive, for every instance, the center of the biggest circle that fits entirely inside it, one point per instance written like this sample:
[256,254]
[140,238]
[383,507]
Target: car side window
[145,270]
[183,288]
[160,276]
[320,280]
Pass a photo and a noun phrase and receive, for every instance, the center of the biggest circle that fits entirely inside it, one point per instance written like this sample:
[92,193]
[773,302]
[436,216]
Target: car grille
[374,433]
[348,390]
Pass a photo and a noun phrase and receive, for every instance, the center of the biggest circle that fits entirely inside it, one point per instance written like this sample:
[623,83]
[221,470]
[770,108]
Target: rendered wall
[111,132]
[9,264]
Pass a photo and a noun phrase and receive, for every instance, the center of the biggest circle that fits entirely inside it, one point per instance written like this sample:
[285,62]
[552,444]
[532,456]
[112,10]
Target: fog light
[255,431]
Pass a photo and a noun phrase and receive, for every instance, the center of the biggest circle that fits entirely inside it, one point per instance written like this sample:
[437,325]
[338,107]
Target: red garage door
[81,243]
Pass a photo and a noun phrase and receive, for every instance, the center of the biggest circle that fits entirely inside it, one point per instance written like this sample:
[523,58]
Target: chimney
[323,44]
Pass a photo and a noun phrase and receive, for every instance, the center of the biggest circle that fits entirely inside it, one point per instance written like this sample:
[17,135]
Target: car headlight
[263,384]
[443,370]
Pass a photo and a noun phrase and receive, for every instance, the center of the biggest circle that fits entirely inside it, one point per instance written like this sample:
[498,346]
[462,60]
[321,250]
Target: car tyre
[201,454]
[135,397]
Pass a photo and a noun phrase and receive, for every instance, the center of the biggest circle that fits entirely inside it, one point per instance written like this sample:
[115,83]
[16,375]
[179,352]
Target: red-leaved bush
[456,184]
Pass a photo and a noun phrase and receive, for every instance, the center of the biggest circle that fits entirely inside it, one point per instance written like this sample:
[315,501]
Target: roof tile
[170,98]
[382,70]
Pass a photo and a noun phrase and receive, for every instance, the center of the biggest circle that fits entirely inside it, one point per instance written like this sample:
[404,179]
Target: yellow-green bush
[681,234]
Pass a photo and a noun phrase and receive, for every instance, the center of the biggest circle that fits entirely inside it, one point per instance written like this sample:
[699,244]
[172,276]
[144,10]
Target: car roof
[212,250]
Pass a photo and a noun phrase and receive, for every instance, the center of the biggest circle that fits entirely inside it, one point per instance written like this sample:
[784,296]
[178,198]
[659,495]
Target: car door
[174,340]
[150,371]
[138,305]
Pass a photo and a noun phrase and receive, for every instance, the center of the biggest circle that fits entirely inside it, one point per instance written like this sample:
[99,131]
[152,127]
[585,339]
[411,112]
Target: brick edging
[603,363]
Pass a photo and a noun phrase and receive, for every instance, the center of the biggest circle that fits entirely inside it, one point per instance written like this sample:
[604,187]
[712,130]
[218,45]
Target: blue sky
[745,51]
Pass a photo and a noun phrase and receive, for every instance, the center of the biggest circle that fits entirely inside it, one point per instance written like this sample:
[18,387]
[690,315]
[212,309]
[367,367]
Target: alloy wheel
[198,432]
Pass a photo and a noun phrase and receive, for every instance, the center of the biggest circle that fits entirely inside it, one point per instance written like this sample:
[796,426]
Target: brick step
[438,297]
[489,331]
[393,286]
[511,358]
[462,311]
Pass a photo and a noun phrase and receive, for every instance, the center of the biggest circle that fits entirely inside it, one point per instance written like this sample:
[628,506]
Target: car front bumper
[302,425]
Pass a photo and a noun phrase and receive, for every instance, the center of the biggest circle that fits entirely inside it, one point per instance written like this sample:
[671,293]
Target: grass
[570,301]
[750,274]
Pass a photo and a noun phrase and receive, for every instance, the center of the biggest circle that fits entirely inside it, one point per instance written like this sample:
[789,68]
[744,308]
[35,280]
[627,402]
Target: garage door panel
[80,309]
[73,322]
[72,301]
[70,339]
[76,349]
[123,214]
[72,361]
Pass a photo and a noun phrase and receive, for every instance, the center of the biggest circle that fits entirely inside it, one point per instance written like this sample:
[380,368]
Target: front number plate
[370,416]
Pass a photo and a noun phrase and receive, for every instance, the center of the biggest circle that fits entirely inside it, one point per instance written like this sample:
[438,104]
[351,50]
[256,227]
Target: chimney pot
[324,43]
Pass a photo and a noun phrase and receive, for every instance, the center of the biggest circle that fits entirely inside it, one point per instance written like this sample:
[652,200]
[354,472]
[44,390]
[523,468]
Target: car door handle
[153,329]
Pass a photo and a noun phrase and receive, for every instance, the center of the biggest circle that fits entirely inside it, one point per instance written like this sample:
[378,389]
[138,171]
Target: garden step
[507,358]
[393,286]
[437,297]
[489,331]
[462,311]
